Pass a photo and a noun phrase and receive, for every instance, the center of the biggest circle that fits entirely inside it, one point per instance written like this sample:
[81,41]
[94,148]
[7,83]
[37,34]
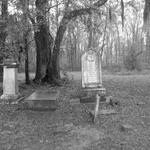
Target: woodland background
[35,32]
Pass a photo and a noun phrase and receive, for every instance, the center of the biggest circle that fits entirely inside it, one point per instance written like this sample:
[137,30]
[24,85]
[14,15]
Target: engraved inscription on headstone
[91,69]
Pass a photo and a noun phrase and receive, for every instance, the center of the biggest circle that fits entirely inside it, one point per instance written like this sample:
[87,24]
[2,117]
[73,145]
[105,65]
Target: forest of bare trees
[51,35]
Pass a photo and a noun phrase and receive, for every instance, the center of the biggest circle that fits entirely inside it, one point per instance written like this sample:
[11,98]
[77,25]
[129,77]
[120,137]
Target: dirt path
[70,126]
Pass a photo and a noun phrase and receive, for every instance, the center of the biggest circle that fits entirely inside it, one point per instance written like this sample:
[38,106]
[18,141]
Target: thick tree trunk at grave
[41,40]
[42,51]
[49,68]
[27,78]
[25,5]
[3,33]
[56,49]
[53,70]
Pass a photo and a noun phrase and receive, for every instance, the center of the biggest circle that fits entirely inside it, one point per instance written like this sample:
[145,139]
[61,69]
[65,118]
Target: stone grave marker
[10,83]
[91,70]
[42,100]
[92,77]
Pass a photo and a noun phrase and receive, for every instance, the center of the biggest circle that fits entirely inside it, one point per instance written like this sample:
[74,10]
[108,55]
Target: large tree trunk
[42,40]
[53,70]
[25,5]
[3,33]
[27,77]
[42,49]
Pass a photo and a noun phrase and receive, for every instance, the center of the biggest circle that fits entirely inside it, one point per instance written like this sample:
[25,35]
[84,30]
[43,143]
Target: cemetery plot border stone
[42,100]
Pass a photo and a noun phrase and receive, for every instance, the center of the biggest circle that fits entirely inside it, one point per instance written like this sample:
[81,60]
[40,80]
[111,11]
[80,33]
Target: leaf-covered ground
[70,126]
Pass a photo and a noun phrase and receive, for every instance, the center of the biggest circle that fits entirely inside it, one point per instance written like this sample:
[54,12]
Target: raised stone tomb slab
[42,100]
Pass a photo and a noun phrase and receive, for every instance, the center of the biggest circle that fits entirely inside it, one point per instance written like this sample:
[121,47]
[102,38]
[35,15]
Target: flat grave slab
[42,100]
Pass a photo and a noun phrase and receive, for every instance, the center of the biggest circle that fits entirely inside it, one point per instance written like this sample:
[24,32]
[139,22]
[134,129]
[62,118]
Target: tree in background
[147,27]
[3,32]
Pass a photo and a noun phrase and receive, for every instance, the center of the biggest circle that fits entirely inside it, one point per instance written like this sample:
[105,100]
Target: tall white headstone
[91,70]
[10,84]
[92,77]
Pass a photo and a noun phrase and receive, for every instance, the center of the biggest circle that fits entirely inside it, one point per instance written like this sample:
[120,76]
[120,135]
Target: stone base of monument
[100,89]
[91,99]
[42,101]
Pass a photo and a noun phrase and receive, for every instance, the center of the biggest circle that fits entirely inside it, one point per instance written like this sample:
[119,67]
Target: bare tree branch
[103,45]
[139,53]
[31,19]
[83,11]
[54,6]
[68,16]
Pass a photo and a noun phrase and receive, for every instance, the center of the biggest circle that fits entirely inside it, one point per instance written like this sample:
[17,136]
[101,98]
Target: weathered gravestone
[92,76]
[10,83]
[91,70]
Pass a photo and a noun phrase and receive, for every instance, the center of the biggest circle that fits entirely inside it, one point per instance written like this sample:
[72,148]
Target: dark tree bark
[42,40]
[26,39]
[27,78]
[3,33]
